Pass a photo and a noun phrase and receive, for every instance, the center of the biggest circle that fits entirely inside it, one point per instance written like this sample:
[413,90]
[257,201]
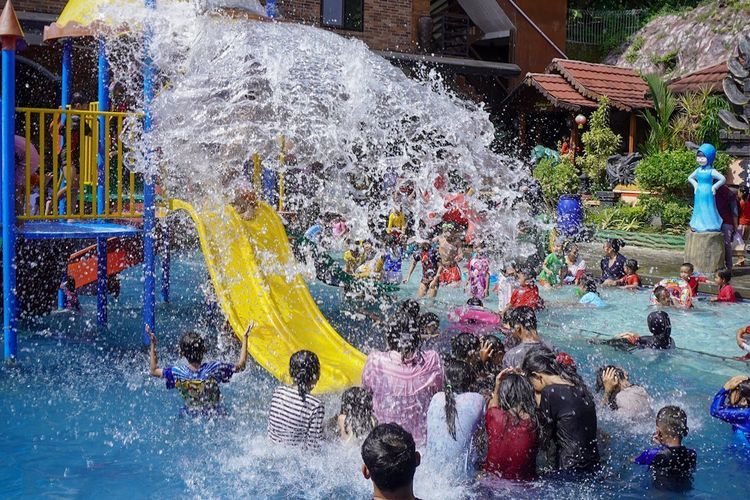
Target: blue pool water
[80,417]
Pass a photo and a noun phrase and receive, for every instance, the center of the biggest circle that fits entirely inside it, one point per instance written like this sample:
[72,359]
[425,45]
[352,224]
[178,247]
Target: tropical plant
[599,142]
[697,119]
[556,179]
[661,134]
[667,172]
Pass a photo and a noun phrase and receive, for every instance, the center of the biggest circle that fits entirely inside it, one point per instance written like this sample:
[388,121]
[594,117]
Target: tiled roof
[624,87]
[710,77]
[558,91]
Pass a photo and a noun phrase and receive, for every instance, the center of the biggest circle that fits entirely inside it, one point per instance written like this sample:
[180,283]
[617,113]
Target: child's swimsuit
[592,299]
[737,416]
[554,264]
[199,388]
[429,260]
[392,266]
[672,467]
[479,267]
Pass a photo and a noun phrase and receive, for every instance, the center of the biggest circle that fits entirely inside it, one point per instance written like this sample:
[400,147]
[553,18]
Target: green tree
[661,134]
[599,142]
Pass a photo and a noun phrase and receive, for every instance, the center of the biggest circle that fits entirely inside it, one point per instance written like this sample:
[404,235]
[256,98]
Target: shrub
[556,179]
[621,218]
[600,143]
[667,172]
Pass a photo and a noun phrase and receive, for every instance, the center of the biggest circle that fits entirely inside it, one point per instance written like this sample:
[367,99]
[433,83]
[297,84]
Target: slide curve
[247,261]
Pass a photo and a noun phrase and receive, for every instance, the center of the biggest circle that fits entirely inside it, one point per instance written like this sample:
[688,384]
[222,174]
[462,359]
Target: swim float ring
[473,315]
[678,288]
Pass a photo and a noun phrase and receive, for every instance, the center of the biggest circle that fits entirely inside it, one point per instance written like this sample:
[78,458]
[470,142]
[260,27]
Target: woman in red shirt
[512,428]
[744,218]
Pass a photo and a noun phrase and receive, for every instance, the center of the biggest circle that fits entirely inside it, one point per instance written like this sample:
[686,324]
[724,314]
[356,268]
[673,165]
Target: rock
[705,251]
[678,44]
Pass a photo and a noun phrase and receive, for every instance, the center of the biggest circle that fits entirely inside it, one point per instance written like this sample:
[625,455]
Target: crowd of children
[504,403]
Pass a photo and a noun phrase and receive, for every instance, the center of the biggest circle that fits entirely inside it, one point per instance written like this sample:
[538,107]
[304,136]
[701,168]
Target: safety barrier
[65,184]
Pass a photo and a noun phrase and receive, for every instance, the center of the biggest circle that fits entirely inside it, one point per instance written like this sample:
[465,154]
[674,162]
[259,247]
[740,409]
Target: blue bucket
[569,214]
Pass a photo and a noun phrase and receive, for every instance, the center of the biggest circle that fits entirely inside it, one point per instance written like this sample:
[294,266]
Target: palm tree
[661,134]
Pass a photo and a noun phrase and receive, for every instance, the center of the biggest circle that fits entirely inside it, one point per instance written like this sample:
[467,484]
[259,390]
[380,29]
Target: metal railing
[591,27]
[65,184]
[451,35]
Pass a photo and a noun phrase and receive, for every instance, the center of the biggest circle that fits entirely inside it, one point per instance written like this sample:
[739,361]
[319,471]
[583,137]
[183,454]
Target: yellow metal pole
[42,180]
[119,166]
[27,198]
[55,160]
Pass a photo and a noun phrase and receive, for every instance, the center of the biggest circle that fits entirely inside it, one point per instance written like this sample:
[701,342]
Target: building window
[344,14]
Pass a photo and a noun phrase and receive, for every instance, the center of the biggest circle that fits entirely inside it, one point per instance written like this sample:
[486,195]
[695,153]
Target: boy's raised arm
[242,362]
[153,362]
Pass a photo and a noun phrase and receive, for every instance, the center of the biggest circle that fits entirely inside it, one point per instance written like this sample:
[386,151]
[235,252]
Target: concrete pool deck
[655,265]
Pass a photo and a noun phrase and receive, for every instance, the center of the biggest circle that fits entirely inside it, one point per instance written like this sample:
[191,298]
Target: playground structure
[84,188]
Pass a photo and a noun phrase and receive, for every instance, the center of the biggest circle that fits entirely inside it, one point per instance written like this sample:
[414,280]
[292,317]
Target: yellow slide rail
[67,141]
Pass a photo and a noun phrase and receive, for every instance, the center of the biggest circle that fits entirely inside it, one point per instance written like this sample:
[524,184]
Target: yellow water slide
[250,263]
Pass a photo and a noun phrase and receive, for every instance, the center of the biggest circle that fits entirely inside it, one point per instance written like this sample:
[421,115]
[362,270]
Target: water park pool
[81,416]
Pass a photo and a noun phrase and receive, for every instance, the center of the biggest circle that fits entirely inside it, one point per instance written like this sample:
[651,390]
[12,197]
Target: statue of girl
[705,215]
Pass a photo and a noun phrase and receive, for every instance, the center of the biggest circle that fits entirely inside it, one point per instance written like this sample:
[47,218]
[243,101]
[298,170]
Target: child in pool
[660,326]
[491,356]
[428,257]
[591,297]
[687,273]
[198,382]
[353,258]
[355,419]
[512,428]
[478,284]
[553,263]
[631,280]
[396,223]
[429,326]
[527,293]
[672,464]
[392,260]
[68,288]
[296,417]
[506,283]
[245,203]
[732,405]
[726,291]
[743,342]
[664,298]
[466,347]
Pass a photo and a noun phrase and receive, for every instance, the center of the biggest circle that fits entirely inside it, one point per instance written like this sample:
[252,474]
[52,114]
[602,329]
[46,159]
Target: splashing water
[233,87]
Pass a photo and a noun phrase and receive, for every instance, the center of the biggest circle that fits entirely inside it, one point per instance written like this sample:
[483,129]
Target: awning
[464,66]
[489,17]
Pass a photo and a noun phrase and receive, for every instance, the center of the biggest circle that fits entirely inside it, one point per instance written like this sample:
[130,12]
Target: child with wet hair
[356,418]
[631,280]
[672,464]
[296,417]
[429,326]
[491,356]
[527,293]
[726,291]
[465,347]
[732,405]
[198,382]
[591,296]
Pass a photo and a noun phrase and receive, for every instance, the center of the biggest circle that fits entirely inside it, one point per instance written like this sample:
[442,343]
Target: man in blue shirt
[198,382]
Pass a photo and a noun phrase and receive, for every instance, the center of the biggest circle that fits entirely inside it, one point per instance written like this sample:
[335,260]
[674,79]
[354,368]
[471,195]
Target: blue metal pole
[103,98]
[271,10]
[67,67]
[149,213]
[7,119]
[101,281]
[166,258]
